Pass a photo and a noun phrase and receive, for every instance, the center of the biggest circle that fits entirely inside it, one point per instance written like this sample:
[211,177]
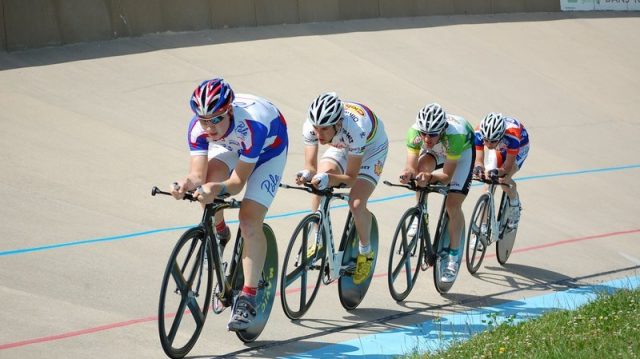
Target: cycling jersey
[257,133]
[455,144]
[362,134]
[360,128]
[515,142]
[515,137]
[456,139]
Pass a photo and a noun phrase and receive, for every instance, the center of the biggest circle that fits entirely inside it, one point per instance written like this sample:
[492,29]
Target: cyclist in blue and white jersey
[237,140]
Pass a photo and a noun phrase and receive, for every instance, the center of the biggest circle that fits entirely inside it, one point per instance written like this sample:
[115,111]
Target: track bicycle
[485,227]
[196,274]
[311,257]
[410,254]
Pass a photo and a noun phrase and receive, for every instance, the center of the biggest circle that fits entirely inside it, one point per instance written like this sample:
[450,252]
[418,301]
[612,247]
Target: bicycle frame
[334,258]
[495,229]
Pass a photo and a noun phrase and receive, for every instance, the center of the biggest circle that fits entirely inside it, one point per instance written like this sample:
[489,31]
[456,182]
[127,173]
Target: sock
[221,226]
[364,249]
[251,291]
[454,252]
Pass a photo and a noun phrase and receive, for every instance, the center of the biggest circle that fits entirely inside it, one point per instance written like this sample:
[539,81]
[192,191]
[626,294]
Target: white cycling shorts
[263,182]
[373,160]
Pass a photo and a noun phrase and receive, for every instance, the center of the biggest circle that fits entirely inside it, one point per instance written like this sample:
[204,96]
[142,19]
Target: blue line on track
[288,214]
[440,333]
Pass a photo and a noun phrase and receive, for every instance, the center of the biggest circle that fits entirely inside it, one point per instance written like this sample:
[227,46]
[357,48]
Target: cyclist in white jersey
[236,140]
[506,141]
[356,156]
[438,140]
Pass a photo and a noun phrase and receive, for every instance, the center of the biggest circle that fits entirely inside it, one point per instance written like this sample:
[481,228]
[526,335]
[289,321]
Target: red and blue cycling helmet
[210,97]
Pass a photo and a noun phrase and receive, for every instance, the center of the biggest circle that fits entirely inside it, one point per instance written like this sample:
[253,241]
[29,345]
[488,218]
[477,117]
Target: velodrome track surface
[88,129]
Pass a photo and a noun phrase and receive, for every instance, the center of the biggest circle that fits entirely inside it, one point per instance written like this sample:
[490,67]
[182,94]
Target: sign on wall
[598,5]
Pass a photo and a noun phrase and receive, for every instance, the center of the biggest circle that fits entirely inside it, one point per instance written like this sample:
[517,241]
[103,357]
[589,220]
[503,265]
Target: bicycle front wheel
[185,293]
[302,268]
[405,256]
[504,246]
[477,241]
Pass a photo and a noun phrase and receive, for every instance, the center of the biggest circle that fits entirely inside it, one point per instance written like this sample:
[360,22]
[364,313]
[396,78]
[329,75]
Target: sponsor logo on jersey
[377,168]
[271,184]
[356,109]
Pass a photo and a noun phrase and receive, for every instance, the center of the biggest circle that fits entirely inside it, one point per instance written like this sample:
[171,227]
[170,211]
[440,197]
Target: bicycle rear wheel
[351,294]
[442,251]
[405,256]
[504,246]
[266,289]
[184,302]
[479,216]
[302,268]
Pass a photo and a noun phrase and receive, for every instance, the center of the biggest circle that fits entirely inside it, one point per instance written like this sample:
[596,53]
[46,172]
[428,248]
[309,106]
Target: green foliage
[608,327]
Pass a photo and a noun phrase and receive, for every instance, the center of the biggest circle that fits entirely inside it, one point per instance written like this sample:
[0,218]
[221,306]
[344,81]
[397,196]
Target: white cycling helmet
[431,119]
[326,110]
[493,127]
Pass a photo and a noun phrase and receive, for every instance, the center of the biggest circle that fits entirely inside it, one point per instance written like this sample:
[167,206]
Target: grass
[608,327]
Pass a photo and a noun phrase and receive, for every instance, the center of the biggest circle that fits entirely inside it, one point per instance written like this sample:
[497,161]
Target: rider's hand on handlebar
[320,181]
[478,171]
[405,176]
[493,174]
[303,176]
[423,178]
[206,193]
[178,189]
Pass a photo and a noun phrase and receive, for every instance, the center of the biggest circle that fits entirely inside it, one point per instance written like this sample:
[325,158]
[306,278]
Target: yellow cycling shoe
[363,267]
[313,249]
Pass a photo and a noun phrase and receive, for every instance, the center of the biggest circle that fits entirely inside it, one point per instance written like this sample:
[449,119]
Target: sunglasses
[431,135]
[214,120]
[495,141]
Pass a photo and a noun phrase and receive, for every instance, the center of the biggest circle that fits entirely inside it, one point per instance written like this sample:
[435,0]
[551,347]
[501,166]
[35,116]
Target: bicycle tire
[176,268]
[507,236]
[351,294]
[404,249]
[475,255]
[302,267]
[266,294]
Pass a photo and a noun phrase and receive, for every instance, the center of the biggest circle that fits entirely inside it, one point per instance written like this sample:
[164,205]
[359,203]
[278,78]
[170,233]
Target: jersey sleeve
[478,141]
[512,138]
[413,141]
[197,139]
[308,134]
[456,146]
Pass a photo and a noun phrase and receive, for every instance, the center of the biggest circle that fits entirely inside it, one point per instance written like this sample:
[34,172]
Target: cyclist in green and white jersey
[440,141]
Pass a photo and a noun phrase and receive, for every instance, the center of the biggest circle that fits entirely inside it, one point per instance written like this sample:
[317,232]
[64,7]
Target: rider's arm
[445,176]
[351,174]
[311,159]
[508,165]
[197,173]
[239,176]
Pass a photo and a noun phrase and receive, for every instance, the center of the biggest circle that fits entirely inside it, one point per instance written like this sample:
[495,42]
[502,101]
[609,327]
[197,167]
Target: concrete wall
[35,23]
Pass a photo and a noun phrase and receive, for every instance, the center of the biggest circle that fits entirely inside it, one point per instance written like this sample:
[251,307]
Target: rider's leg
[427,162]
[358,197]
[251,218]
[456,218]
[218,171]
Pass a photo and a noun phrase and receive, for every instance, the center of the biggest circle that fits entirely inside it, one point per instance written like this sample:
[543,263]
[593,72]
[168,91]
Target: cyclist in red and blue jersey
[236,140]
[507,145]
